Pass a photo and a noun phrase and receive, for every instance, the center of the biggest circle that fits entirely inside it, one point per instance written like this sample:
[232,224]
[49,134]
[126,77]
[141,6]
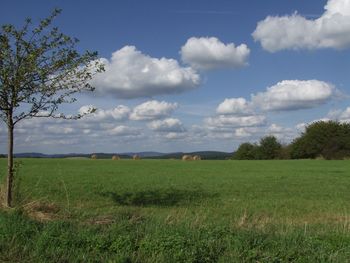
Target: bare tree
[40,69]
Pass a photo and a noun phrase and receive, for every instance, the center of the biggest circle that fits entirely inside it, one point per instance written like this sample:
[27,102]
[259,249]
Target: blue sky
[196,75]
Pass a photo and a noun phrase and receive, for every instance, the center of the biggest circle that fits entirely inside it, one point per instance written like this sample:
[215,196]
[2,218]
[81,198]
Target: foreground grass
[173,211]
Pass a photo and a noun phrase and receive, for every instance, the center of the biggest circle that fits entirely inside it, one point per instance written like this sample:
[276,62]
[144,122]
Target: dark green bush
[246,151]
[267,149]
[330,139]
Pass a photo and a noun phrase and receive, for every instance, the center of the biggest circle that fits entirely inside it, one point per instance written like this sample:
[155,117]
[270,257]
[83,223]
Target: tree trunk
[9,183]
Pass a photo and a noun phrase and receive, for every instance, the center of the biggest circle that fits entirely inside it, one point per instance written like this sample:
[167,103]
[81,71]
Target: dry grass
[264,221]
[42,211]
[101,220]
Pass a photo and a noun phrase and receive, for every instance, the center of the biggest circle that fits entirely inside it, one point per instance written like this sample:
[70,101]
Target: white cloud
[210,53]
[294,94]
[274,128]
[124,131]
[131,74]
[223,121]
[175,135]
[252,133]
[256,133]
[86,131]
[168,125]
[60,130]
[300,127]
[244,132]
[63,142]
[345,115]
[86,109]
[152,110]
[284,134]
[119,113]
[331,30]
[235,106]
[235,119]
[340,115]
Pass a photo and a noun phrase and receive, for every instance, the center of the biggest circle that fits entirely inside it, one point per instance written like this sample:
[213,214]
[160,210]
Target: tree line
[323,139]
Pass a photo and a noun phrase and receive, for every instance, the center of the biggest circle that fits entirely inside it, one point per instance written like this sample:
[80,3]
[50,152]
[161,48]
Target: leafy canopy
[267,149]
[330,139]
[41,69]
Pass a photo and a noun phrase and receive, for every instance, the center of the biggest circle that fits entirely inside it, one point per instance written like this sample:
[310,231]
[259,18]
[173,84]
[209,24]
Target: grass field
[175,211]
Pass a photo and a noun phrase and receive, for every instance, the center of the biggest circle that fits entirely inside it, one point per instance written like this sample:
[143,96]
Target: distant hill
[70,155]
[145,154]
[206,155]
[30,155]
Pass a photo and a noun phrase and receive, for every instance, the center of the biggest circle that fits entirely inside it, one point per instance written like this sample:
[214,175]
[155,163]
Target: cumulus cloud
[119,113]
[61,130]
[131,74]
[210,53]
[105,128]
[300,127]
[330,30]
[245,132]
[124,131]
[152,110]
[340,115]
[235,106]
[294,94]
[255,133]
[175,135]
[223,121]
[235,119]
[240,119]
[282,133]
[168,125]
[345,115]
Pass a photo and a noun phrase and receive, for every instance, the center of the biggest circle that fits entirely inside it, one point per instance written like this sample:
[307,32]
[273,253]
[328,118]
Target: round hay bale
[197,158]
[115,157]
[94,156]
[187,157]
[319,157]
[136,157]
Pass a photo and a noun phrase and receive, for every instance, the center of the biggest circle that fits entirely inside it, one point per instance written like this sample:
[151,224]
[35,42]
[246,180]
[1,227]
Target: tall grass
[174,211]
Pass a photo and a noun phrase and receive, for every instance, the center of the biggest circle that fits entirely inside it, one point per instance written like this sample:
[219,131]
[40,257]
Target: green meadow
[72,210]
